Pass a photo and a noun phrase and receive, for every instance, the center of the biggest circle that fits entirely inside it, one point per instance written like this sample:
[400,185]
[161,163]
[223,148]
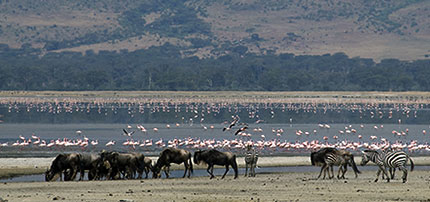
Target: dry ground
[264,187]
[297,186]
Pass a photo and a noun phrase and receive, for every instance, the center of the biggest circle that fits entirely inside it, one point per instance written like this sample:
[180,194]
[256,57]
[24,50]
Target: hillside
[369,29]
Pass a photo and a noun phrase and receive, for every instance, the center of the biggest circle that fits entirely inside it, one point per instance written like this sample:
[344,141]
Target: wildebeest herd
[110,165]
[114,165]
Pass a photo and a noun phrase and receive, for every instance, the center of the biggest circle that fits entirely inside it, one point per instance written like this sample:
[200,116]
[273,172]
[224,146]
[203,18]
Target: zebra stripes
[251,159]
[388,159]
[334,159]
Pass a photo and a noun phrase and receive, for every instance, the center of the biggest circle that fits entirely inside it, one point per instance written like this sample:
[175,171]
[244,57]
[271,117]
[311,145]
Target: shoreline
[13,167]
[301,186]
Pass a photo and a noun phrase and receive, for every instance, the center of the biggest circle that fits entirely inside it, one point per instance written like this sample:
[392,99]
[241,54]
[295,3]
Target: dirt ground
[301,186]
[295,186]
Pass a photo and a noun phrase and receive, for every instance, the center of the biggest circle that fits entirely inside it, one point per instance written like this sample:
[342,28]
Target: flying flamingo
[110,143]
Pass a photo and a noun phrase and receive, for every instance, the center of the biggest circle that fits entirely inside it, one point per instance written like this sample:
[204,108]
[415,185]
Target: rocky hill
[375,29]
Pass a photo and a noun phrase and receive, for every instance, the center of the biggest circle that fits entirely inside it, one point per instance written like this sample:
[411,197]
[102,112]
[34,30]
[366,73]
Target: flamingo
[94,142]
[126,133]
[110,143]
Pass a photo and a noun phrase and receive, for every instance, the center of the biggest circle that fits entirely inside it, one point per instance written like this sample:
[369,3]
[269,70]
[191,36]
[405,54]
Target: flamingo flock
[189,111]
[239,142]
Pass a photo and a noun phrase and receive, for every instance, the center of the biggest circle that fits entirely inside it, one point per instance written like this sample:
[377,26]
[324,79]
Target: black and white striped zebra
[251,159]
[388,159]
[319,158]
[339,159]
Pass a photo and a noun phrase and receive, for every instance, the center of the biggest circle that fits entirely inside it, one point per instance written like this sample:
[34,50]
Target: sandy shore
[297,186]
[264,187]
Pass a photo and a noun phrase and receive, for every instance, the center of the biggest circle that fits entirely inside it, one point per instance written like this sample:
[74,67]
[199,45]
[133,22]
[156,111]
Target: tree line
[164,68]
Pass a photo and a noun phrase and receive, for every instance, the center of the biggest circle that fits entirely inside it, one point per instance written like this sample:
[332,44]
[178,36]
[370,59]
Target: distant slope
[376,29]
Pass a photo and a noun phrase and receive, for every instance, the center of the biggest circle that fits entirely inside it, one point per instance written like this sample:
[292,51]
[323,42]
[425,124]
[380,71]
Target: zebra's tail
[354,166]
[412,164]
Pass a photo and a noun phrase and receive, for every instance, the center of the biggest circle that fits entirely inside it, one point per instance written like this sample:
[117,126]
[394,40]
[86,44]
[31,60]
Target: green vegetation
[163,68]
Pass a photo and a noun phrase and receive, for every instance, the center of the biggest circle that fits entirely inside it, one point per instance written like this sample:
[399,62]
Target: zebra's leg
[405,173]
[338,171]
[343,168]
[392,172]
[377,174]
[253,169]
[332,172]
[246,168]
[384,172]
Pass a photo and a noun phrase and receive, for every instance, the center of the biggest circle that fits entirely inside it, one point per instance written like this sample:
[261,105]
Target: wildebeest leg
[226,170]
[146,172]
[81,174]
[210,169]
[167,170]
[74,173]
[186,168]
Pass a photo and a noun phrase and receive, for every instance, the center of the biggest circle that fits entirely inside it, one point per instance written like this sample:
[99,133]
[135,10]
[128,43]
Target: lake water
[218,172]
[103,133]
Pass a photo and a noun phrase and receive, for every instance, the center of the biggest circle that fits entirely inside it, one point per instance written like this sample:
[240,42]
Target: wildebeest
[214,157]
[90,162]
[63,163]
[173,155]
[147,166]
[319,158]
[125,164]
[142,163]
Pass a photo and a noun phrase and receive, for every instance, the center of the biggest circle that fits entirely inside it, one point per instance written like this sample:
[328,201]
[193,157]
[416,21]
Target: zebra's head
[365,158]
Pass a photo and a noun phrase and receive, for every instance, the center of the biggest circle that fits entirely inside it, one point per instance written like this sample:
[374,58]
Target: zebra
[251,159]
[319,158]
[388,159]
[341,159]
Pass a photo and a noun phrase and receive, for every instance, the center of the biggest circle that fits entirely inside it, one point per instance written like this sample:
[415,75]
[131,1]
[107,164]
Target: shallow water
[218,172]
[106,132]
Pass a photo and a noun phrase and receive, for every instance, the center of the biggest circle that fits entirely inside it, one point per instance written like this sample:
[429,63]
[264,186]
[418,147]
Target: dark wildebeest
[103,170]
[120,164]
[147,166]
[141,164]
[173,155]
[90,162]
[319,158]
[63,163]
[214,157]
